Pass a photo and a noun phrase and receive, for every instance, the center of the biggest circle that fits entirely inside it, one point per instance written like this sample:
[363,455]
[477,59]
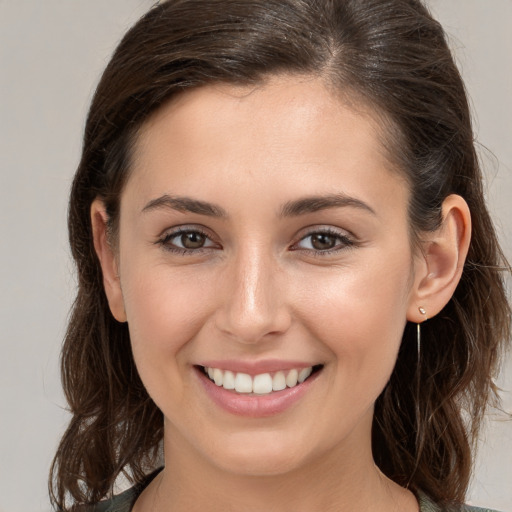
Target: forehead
[283,102]
[287,127]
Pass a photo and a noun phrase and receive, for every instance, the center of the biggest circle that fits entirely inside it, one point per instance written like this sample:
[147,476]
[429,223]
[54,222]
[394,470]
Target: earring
[423,311]
[418,408]
[418,340]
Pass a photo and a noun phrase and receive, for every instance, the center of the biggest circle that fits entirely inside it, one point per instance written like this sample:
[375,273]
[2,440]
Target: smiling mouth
[261,384]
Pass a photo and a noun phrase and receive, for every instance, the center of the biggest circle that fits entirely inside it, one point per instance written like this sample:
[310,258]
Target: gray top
[124,502]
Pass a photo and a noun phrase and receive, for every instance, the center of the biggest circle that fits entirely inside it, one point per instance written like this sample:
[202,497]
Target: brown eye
[323,241]
[192,240]
[187,241]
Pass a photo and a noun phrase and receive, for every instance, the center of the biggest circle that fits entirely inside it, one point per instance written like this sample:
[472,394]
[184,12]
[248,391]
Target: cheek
[360,315]
[165,310]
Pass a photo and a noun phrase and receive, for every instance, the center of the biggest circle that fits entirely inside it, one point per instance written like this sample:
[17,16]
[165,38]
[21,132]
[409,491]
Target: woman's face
[263,234]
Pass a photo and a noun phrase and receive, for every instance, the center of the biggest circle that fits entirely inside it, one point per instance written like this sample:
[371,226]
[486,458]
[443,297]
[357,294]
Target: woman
[289,284]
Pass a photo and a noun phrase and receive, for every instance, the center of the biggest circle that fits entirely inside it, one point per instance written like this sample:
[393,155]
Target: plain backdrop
[51,55]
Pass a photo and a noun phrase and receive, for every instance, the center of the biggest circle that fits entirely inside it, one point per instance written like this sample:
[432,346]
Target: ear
[108,260]
[438,268]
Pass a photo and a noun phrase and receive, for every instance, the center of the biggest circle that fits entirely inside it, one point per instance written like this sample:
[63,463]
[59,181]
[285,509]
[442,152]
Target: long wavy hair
[393,55]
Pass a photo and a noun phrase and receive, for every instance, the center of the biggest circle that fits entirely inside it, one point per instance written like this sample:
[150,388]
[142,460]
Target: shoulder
[468,508]
[427,505]
[122,502]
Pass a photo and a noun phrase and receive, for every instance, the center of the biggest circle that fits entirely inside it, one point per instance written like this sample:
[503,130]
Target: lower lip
[255,406]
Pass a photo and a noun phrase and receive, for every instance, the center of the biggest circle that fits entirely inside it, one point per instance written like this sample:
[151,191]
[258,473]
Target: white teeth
[261,384]
[279,381]
[304,374]
[291,378]
[243,383]
[229,380]
[217,377]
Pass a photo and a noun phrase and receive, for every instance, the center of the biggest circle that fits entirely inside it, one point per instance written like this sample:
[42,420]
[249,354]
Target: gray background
[51,55]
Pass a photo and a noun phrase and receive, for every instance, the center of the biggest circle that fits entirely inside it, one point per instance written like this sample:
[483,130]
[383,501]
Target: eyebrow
[184,204]
[295,208]
[317,203]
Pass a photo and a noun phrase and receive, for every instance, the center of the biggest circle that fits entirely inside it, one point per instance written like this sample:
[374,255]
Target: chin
[267,458]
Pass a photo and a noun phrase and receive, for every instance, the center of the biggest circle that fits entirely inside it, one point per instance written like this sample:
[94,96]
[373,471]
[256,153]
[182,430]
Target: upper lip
[256,367]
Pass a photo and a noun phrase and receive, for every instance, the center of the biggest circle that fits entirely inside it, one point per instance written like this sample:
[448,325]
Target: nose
[254,306]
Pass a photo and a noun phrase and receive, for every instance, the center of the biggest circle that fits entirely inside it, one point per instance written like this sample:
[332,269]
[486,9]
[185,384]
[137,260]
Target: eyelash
[166,239]
[344,242]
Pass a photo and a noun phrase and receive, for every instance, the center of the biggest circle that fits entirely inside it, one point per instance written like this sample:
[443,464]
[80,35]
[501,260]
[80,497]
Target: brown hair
[394,55]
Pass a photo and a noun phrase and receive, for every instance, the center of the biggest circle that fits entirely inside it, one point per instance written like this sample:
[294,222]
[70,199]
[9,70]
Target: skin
[260,289]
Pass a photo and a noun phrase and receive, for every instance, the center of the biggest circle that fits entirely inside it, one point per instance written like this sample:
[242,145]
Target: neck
[343,480]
